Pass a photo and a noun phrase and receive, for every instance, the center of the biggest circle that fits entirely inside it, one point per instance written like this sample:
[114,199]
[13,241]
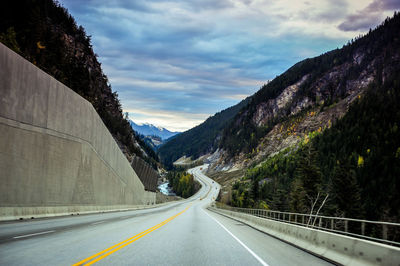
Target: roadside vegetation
[183,183]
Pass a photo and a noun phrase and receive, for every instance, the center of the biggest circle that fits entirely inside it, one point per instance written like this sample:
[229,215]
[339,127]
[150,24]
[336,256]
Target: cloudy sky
[176,62]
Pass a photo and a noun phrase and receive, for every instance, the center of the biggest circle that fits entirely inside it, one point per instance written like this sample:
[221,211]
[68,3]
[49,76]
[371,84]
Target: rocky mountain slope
[47,35]
[307,98]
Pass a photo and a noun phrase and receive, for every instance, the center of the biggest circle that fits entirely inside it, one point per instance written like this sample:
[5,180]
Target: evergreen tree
[309,173]
[298,200]
[346,191]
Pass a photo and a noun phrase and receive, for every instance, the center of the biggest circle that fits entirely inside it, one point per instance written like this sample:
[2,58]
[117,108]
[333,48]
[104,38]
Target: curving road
[179,233]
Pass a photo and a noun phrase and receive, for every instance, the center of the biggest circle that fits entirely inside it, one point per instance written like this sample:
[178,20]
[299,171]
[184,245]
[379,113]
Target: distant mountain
[147,129]
[201,139]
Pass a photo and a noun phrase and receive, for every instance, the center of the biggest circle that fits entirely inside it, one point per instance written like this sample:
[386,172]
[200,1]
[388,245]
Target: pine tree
[346,191]
[309,172]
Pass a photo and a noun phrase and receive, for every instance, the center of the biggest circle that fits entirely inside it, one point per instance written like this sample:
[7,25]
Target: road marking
[35,234]
[260,260]
[201,198]
[96,257]
[98,222]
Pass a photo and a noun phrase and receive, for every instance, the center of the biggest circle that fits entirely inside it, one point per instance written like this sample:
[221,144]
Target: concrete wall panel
[55,149]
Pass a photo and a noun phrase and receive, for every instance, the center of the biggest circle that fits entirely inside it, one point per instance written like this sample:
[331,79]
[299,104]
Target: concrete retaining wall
[146,174]
[337,248]
[55,149]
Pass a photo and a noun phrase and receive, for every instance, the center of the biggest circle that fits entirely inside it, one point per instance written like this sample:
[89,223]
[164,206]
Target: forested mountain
[356,163]
[47,35]
[201,139]
[325,129]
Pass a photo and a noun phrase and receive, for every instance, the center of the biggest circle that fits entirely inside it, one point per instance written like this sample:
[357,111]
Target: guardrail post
[363,228]
[346,225]
[332,224]
[320,222]
[384,231]
[295,218]
[302,219]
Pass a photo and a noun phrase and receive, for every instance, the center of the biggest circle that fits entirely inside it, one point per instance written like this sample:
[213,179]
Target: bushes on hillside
[182,183]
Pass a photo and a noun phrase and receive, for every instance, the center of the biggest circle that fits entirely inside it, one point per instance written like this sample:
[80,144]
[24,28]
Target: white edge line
[260,260]
[35,234]
[98,222]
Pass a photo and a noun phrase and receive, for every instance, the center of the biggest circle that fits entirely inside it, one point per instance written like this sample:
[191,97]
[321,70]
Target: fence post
[363,228]
[346,225]
[332,224]
[384,231]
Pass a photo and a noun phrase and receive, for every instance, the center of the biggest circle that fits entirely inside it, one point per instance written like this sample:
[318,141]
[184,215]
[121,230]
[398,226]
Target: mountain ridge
[148,129]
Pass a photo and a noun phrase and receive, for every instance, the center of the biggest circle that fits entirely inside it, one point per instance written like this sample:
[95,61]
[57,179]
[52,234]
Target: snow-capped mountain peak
[148,129]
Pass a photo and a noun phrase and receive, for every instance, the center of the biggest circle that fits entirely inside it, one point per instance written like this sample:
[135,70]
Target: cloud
[189,57]
[370,16]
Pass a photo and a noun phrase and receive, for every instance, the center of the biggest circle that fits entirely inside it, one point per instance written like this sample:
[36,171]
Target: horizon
[176,63]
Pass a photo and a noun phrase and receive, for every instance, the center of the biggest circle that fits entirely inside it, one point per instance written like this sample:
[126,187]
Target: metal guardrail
[383,232]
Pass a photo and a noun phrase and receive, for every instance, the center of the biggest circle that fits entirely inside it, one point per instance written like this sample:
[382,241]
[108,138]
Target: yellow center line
[96,257]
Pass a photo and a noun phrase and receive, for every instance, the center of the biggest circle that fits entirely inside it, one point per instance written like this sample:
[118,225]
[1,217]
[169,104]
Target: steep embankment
[45,34]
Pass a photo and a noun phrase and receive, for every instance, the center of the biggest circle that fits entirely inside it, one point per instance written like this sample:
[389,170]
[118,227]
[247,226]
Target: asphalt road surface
[179,233]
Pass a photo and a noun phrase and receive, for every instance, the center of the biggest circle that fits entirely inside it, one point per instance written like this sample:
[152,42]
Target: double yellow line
[102,254]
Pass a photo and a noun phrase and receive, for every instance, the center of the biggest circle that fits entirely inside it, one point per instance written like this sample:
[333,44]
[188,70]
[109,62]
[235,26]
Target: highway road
[179,233]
